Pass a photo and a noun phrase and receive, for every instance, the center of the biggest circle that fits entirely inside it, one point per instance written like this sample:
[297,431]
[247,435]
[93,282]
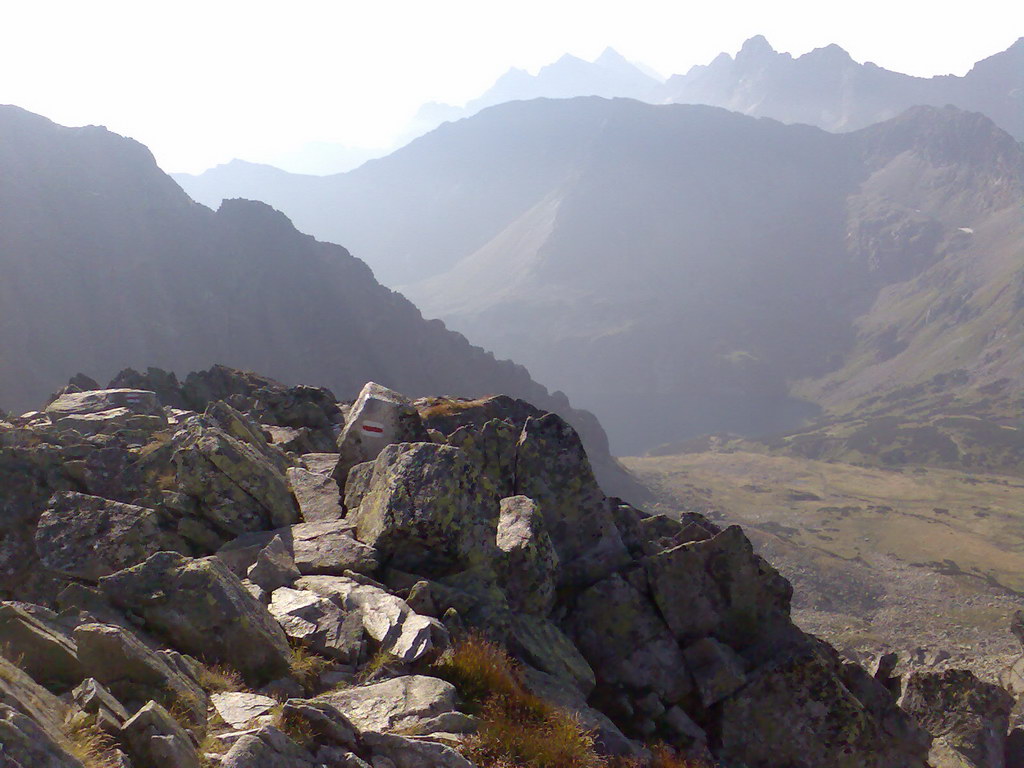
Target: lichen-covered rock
[25,743]
[410,752]
[398,629]
[239,708]
[238,488]
[155,738]
[136,674]
[100,400]
[427,510]
[553,470]
[626,642]
[493,448]
[967,717]
[267,748]
[274,566]
[325,548]
[795,711]
[399,704]
[46,653]
[542,644]
[87,537]
[21,693]
[317,495]
[716,669]
[319,623]
[718,587]
[526,563]
[203,609]
[378,418]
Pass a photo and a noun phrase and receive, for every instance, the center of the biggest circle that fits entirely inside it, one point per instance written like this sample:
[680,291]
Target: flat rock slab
[320,463]
[317,494]
[238,709]
[323,548]
[397,704]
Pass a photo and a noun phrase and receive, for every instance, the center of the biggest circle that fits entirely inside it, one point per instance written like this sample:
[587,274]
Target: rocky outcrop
[642,627]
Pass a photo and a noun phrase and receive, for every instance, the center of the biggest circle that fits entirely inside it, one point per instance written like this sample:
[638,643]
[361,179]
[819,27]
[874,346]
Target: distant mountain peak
[610,57]
[757,45]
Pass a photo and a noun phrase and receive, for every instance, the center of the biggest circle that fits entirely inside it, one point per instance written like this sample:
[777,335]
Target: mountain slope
[678,268]
[107,264]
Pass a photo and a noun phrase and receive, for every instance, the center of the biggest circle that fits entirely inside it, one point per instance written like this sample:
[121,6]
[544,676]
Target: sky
[203,82]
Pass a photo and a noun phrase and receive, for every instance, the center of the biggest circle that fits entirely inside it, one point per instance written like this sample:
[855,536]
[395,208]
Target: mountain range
[108,264]
[684,269]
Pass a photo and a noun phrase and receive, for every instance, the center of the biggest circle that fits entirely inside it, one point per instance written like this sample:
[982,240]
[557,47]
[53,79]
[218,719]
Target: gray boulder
[24,743]
[402,703]
[626,642]
[93,698]
[134,673]
[21,693]
[319,623]
[967,718]
[543,645]
[155,738]
[796,711]
[379,417]
[553,470]
[427,510]
[47,654]
[239,708]
[716,669]
[527,564]
[87,537]
[238,487]
[719,587]
[411,752]
[318,495]
[96,401]
[203,609]
[267,748]
[321,548]
[388,619]
[274,566]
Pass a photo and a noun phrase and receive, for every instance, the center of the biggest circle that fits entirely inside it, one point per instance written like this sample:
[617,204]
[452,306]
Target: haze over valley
[658,403]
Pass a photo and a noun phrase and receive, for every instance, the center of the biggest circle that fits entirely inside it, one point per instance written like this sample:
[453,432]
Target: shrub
[219,678]
[306,668]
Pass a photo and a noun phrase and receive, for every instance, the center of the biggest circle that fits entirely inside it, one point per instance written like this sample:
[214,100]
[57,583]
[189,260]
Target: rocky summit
[223,575]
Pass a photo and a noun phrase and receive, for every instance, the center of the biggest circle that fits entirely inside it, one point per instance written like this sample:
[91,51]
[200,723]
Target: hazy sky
[202,82]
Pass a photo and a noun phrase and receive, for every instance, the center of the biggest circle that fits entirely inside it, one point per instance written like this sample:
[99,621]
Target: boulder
[398,629]
[274,566]
[155,738]
[553,470]
[492,446]
[967,717]
[203,609]
[267,748]
[93,698]
[379,417]
[237,487]
[324,720]
[318,623]
[410,752]
[134,673]
[718,587]
[47,654]
[87,537]
[626,642]
[97,401]
[24,743]
[795,711]
[427,510]
[716,669]
[238,708]
[527,564]
[399,704]
[317,495]
[322,548]
[21,693]
[320,463]
[543,645]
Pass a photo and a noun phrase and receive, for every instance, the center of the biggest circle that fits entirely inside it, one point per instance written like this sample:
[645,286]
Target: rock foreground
[271,582]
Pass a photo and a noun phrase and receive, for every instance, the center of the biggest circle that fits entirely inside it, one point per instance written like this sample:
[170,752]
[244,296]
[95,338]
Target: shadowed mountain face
[828,89]
[682,269]
[107,264]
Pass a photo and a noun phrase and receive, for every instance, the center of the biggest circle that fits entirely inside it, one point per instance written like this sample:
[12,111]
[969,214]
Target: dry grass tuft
[91,746]
[295,728]
[220,678]
[306,668]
